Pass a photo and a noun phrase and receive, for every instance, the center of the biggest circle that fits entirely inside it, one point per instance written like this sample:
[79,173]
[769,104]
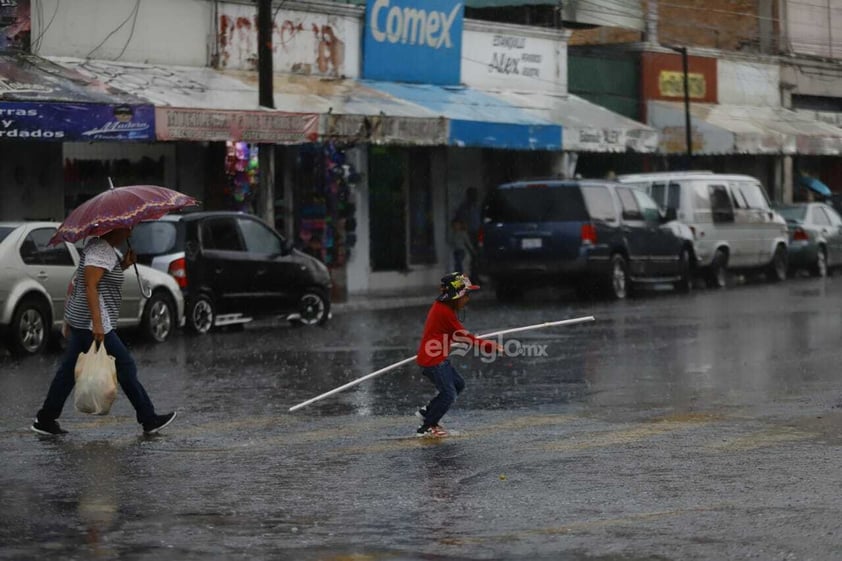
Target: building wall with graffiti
[303,42]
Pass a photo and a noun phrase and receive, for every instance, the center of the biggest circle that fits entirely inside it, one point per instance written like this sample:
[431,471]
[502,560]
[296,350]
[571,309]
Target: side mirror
[286,247]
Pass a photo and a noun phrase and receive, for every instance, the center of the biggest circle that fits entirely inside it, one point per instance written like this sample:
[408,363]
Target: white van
[734,226]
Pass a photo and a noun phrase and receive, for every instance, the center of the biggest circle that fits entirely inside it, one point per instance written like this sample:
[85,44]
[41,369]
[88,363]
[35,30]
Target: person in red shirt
[442,329]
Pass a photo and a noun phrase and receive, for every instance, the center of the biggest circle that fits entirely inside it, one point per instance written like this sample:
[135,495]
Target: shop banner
[76,121]
[413,41]
[273,127]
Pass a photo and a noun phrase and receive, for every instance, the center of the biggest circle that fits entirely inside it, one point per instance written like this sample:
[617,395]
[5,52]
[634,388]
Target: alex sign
[413,41]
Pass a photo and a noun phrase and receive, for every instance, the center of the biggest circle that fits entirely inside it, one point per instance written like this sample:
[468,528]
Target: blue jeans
[449,384]
[79,342]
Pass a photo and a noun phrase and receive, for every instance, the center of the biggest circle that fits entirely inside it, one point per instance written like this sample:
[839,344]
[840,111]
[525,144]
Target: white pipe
[410,359]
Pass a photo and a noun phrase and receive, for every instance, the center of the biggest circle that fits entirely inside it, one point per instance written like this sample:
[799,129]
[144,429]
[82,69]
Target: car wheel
[820,267]
[717,275]
[201,314]
[30,328]
[777,269]
[617,284]
[313,309]
[158,318]
[685,282]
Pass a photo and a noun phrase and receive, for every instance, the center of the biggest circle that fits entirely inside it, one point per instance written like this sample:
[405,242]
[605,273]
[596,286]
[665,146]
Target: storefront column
[358,265]
[786,179]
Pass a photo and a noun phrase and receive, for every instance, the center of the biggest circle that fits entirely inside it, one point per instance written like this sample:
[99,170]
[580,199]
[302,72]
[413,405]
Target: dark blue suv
[592,234]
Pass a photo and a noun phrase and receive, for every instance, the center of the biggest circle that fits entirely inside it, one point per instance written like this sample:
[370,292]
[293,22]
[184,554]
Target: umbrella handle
[144,290]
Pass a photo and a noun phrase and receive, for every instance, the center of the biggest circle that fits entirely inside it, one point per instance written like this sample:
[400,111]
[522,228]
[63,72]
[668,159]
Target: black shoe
[48,428]
[422,414]
[159,422]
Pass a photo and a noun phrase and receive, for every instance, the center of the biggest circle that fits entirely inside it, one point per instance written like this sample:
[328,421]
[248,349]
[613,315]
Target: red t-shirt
[441,330]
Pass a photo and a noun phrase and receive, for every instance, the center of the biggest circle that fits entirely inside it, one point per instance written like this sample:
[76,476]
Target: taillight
[178,269]
[588,234]
[799,235]
[481,236]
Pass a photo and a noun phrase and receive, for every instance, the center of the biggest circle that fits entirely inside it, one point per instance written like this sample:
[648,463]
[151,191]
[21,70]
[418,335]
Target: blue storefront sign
[413,41]
[64,122]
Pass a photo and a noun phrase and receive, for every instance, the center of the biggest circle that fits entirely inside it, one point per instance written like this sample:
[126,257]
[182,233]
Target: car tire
[158,320]
[29,332]
[313,308]
[776,271]
[617,284]
[717,274]
[820,269]
[685,282]
[201,314]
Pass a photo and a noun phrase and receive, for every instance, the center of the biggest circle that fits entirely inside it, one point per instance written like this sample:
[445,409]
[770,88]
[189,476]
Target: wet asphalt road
[673,427]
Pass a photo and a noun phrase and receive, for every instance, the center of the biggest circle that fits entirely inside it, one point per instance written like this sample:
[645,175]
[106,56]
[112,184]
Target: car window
[259,238]
[720,203]
[819,217]
[793,213]
[674,196]
[648,207]
[834,218]
[221,234]
[154,238]
[659,191]
[738,197]
[536,203]
[5,231]
[754,195]
[36,249]
[631,210]
[600,203]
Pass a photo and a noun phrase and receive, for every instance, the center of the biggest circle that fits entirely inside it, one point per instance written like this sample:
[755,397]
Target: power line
[36,44]
[131,33]
[115,30]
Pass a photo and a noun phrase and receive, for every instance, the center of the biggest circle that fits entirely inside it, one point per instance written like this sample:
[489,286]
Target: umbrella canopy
[119,207]
[815,185]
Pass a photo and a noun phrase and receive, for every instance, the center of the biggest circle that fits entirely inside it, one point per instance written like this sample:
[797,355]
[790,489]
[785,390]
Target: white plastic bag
[96,381]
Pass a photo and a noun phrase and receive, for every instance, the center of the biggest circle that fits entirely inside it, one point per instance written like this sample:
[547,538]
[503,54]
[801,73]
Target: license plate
[530,243]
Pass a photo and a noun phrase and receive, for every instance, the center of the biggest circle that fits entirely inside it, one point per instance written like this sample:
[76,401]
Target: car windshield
[5,231]
[154,238]
[792,213]
[536,203]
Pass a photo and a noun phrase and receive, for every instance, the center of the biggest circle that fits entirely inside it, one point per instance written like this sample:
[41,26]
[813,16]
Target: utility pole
[266,152]
[688,132]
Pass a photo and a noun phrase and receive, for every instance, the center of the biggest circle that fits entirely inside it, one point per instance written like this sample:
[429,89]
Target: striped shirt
[97,253]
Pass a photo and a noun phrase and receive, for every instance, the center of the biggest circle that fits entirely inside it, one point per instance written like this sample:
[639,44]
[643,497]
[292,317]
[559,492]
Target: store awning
[200,103]
[588,127]
[479,118]
[41,100]
[741,129]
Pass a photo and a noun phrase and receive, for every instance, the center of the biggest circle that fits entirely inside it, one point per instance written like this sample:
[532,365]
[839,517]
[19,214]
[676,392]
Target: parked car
[232,266]
[588,233]
[734,225]
[815,237]
[34,280]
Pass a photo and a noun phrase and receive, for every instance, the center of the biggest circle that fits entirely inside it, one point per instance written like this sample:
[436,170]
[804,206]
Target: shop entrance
[387,171]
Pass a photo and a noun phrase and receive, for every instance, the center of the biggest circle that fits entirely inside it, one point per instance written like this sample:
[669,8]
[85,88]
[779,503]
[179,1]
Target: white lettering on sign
[411,26]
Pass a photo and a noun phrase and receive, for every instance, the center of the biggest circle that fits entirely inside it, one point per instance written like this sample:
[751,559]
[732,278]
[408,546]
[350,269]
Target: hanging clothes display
[242,172]
[325,214]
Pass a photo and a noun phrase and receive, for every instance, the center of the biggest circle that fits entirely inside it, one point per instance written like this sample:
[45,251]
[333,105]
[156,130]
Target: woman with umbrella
[93,305]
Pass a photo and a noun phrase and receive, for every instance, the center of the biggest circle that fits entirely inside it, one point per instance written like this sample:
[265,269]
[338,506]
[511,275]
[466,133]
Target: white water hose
[383,370]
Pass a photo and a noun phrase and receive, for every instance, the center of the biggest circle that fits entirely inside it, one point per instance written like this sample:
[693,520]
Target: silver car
[34,282]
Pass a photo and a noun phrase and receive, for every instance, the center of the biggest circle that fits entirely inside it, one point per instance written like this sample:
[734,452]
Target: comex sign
[413,41]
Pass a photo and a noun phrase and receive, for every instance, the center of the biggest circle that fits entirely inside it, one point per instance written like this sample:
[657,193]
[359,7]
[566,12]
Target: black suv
[232,265]
[588,233]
